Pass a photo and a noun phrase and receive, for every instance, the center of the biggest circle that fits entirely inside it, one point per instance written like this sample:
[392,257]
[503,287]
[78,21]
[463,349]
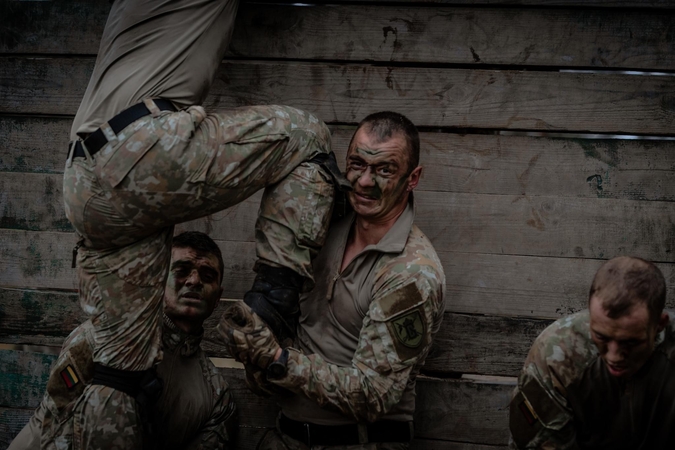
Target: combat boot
[275,297]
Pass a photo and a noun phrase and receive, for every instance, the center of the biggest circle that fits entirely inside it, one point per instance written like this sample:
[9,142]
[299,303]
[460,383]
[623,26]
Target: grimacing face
[377,172]
[625,343]
[193,287]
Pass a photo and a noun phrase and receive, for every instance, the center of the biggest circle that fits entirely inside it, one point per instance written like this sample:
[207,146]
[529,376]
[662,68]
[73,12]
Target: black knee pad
[275,297]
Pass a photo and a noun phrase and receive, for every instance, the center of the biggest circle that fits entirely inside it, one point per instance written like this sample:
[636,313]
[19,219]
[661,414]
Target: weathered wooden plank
[42,260]
[464,344]
[23,377]
[469,163]
[502,224]
[477,283]
[38,317]
[462,411]
[12,420]
[666,4]
[477,411]
[32,202]
[513,36]
[34,144]
[384,33]
[516,100]
[546,226]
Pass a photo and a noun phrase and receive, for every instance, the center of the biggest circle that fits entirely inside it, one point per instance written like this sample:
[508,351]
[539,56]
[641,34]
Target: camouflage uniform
[170,167]
[364,332]
[566,398]
[195,410]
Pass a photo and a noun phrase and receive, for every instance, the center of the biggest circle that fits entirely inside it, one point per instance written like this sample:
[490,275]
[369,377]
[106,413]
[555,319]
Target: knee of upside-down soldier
[303,121]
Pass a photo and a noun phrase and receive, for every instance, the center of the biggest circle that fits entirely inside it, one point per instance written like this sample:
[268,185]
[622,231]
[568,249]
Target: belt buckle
[309,439]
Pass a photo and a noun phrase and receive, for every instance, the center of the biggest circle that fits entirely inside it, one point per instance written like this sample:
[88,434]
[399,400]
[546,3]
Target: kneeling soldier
[603,378]
[195,410]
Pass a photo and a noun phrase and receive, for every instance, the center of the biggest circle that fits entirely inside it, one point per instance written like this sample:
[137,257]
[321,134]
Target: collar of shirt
[175,339]
[392,242]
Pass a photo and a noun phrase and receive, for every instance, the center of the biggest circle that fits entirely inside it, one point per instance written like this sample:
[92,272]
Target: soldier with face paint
[603,378]
[367,327]
[195,410]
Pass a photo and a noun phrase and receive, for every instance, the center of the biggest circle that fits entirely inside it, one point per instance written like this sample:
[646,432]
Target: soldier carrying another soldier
[603,378]
[144,156]
[195,410]
[368,325]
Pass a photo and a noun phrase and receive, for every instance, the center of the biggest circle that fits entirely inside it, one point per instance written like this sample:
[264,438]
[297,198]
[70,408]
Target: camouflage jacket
[566,398]
[195,410]
[365,331]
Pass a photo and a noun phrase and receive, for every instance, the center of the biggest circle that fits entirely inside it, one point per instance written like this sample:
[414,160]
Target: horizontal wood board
[465,343]
[462,163]
[492,345]
[440,35]
[455,222]
[477,283]
[465,98]
[479,409]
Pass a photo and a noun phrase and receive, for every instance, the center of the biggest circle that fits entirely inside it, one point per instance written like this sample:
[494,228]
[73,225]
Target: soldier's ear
[663,321]
[414,178]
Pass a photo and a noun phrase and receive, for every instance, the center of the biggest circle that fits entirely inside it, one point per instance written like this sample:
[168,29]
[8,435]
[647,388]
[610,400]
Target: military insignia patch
[527,411]
[409,329]
[69,377]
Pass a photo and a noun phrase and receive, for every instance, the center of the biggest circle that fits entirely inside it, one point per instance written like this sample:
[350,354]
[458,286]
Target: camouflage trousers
[170,167]
[275,440]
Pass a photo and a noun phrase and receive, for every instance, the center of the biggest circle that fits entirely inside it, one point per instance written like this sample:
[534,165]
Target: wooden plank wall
[521,209]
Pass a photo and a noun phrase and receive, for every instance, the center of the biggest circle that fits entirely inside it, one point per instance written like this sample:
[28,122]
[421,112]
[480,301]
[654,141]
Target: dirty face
[625,343]
[378,172]
[193,287]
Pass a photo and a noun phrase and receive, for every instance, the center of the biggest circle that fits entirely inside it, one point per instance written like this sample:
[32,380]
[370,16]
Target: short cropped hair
[384,124]
[202,243]
[624,282]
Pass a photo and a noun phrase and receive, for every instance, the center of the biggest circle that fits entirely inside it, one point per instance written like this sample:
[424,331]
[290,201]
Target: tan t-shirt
[333,313]
[154,49]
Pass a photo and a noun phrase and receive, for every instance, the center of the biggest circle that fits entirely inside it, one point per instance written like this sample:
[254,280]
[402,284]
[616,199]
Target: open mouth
[616,370]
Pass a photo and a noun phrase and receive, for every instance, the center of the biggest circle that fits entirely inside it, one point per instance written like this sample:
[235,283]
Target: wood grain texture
[23,377]
[12,420]
[463,163]
[38,317]
[508,285]
[513,36]
[34,144]
[464,344]
[515,100]
[455,410]
[579,38]
[454,222]
[666,4]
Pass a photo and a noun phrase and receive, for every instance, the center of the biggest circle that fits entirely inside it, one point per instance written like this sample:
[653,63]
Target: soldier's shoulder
[566,346]
[418,258]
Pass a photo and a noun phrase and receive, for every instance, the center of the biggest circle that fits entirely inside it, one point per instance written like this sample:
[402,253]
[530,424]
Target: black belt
[96,140]
[354,434]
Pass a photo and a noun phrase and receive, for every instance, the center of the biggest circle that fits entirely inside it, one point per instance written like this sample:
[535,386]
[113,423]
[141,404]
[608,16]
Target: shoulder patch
[523,421]
[399,301]
[409,329]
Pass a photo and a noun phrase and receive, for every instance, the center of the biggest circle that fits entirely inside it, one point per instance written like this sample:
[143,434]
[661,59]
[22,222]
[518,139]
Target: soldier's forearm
[361,393]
